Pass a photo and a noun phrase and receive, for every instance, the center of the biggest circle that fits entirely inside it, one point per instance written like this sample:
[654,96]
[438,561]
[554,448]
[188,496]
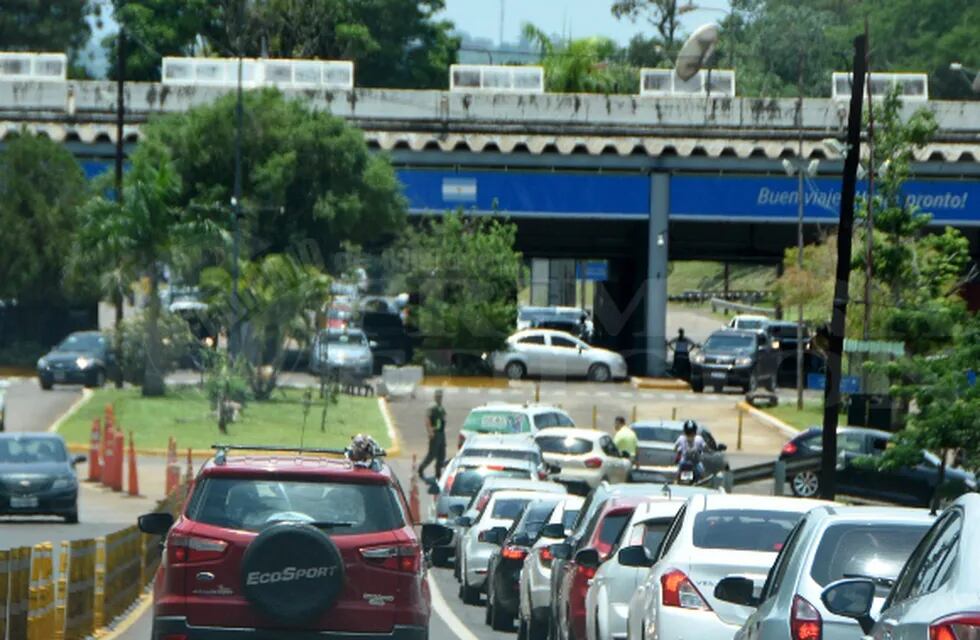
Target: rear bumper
[56,503]
[164,626]
[723,375]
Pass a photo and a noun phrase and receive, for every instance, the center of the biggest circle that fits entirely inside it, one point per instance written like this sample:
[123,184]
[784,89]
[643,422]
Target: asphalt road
[29,408]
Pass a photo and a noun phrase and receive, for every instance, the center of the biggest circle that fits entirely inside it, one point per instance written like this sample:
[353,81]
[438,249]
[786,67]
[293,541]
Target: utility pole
[236,205]
[799,229]
[117,295]
[835,347]
[869,223]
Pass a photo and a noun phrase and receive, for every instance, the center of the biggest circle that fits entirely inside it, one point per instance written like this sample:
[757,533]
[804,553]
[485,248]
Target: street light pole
[799,233]
[234,339]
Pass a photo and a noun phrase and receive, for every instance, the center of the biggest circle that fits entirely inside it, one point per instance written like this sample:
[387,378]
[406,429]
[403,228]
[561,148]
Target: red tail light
[175,636]
[187,549]
[593,463]
[460,441]
[790,448]
[544,553]
[678,591]
[449,482]
[405,558]
[542,474]
[961,626]
[481,504]
[805,622]
[513,553]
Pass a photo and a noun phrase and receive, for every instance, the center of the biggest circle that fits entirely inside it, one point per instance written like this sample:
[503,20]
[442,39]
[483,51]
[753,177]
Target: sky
[578,18]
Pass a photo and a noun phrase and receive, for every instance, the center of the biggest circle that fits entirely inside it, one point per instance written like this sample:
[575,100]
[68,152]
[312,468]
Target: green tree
[307,175]
[143,234]
[584,65]
[465,272]
[280,296]
[41,188]
[155,28]
[45,25]
[662,15]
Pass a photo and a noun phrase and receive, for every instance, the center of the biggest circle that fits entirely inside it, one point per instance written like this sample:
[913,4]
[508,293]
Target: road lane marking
[443,610]
[82,399]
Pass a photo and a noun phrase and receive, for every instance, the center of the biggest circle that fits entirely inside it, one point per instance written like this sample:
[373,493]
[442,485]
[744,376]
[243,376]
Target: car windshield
[653,534]
[612,527]
[865,550]
[656,434]
[743,529]
[345,337]
[83,342]
[497,422]
[28,450]
[535,518]
[568,518]
[468,483]
[252,504]
[506,454]
[564,445]
[728,342]
[751,325]
[508,508]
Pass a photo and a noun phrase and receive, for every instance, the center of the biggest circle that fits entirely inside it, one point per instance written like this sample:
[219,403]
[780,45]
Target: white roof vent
[664,82]
[49,67]
[496,78]
[285,74]
[911,86]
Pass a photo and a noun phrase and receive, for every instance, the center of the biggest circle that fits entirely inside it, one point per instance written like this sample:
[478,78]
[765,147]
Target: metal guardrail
[718,303]
[777,470]
[698,295]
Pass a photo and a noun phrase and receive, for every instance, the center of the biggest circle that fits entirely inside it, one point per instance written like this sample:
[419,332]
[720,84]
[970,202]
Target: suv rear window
[612,527]
[563,445]
[508,508]
[657,434]
[506,454]
[469,483]
[870,551]
[743,529]
[497,422]
[251,504]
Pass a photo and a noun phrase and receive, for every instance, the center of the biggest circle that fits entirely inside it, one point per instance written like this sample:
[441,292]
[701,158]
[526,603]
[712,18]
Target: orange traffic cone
[119,452]
[134,482]
[95,444]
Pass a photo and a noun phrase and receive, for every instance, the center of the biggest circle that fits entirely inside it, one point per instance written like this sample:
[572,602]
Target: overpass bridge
[627,180]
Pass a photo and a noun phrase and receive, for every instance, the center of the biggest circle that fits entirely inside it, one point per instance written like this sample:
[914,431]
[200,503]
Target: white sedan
[585,457]
[550,353]
[713,537]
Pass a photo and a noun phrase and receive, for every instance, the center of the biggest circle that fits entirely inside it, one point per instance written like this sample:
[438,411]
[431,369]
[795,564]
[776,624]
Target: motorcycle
[686,473]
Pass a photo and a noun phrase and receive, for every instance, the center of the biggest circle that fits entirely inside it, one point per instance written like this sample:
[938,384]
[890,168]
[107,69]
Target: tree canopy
[583,65]
[45,25]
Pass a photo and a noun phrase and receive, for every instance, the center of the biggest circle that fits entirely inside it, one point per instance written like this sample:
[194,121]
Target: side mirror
[561,551]
[521,540]
[722,446]
[635,556]
[78,459]
[436,535]
[457,510]
[737,590]
[624,454]
[464,521]
[851,598]
[492,536]
[588,558]
[553,468]
[553,530]
[156,524]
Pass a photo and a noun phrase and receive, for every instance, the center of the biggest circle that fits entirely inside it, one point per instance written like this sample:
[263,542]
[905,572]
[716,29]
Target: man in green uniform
[435,425]
[625,438]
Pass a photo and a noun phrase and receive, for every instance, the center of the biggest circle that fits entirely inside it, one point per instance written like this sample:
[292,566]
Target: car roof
[728,331]
[570,432]
[502,441]
[532,494]
[541,332]
[750,316]
[517,408]
[305,465]
[848,429]
[669,424]
[652,509]
[834,514]
[721,501]
[500,484]
[40,435]
[494,464]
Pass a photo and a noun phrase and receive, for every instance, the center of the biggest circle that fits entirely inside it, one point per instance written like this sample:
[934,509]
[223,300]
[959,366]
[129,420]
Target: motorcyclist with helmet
[689,449]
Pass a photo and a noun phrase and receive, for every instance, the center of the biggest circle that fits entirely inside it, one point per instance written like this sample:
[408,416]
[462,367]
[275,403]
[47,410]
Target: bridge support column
[656,294]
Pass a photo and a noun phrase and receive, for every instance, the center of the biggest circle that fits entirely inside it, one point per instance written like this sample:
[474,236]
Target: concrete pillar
[656,293]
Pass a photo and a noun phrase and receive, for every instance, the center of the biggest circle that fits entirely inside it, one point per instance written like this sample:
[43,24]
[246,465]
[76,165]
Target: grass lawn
[812,414]
[693,274]
[185,414]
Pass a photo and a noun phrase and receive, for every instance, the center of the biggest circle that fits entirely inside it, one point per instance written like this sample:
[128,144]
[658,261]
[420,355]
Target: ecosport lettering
[289,574]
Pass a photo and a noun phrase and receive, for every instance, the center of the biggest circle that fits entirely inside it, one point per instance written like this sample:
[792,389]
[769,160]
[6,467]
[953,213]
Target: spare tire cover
[292,572]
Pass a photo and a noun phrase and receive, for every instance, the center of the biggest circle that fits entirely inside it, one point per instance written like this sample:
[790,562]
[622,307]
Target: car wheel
[697,386]
[488,610]
[440,557]
[752,385]
[45,384]
[72,517]
[468,594]
[600,373]
[805,484]
[771,384]
[718,388]
[521,628]
[499,620]
[515,370]
[537,629]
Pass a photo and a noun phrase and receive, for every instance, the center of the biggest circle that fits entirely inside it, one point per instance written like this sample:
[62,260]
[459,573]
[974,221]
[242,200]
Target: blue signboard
[971,377]
[528,193]
[775,199]
[848,384]
[596,271]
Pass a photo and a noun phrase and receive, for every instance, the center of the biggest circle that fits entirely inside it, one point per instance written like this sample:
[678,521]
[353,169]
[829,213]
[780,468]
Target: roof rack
[221,451]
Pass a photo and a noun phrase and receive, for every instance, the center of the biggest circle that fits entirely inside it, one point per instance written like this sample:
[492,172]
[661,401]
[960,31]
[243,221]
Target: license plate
[687,475]
[59,376]
[28,502]
[718,375]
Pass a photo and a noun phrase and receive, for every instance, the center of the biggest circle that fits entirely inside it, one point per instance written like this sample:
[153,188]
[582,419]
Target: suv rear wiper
[887,583]
[331,525]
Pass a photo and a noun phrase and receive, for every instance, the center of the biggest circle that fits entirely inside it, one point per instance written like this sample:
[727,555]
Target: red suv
[290,544]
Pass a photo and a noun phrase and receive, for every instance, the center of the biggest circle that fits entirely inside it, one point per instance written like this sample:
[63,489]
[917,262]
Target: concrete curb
[17,372]
[72,410]
[475,382]
[124,623]
[663,384]
[395,449]
[768,419]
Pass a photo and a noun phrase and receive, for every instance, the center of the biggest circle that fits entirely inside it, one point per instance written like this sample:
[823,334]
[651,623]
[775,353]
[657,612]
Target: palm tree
[584,65]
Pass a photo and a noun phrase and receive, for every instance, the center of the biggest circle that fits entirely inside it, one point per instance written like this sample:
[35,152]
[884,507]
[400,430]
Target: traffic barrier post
[108,454]
[413,494]
[633,416]
[738,441]
[18,592]
[595,417]
[173,469]
[98,609]
[94,466]
[4,582]
[41,602]
[778,477]
[673,413]
[121,582]
[61,592]
[118,453]
[80,596]
[134,485]
[537,392]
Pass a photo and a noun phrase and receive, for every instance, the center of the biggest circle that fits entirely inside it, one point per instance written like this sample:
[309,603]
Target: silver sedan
[550,353]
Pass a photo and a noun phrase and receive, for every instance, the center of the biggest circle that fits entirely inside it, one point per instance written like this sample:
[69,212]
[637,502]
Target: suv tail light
[586,572]
[188,549]
[544,553]
[513,553]
[460,441]
[481,504]
[449,482]
[790,448]
[679,591]
[405,558]
[593,463]
[805,622]
[961,626]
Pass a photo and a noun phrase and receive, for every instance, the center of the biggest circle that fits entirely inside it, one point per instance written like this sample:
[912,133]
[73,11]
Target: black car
[731,357]
[393,343]
[84,357]
[783,336]
[506,562]
[857,476]
[37,476]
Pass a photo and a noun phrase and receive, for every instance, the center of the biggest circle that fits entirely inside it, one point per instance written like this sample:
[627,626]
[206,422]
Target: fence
[95,582]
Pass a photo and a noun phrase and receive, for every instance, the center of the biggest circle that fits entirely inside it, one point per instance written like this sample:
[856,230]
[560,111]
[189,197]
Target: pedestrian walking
[625,438]
[435,425]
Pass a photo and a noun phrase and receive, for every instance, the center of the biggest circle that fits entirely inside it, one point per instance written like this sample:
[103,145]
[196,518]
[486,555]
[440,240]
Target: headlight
[743,362]
[64,482]
[42,363]
[83,362]
[697,358]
